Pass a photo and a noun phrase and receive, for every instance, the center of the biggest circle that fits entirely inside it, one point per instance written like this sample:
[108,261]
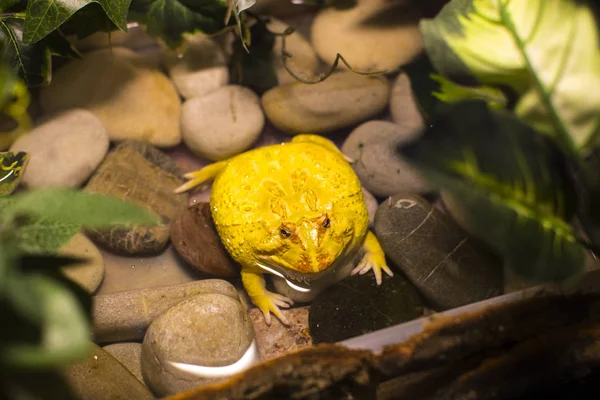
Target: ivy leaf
[45,16]
[508,181]
[71,206]
[169,20]
[32,61]
[544,50]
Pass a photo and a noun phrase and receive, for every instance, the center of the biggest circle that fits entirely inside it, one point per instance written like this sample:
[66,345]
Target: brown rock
[100,376]
[130,355]
[89,273]
[207,330]
[138,172]
[278,339]
[125,316]
[195,238]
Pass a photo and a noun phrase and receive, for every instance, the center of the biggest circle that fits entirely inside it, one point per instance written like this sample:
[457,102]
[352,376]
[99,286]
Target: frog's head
[304,245]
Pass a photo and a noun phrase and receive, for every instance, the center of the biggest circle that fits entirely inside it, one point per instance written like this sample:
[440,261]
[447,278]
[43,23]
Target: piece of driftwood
[497,353]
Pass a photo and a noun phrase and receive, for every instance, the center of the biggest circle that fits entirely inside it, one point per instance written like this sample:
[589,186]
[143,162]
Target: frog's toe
[370,262]
[270,303]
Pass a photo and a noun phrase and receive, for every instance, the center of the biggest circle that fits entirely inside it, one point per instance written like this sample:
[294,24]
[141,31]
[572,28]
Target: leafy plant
[517,119]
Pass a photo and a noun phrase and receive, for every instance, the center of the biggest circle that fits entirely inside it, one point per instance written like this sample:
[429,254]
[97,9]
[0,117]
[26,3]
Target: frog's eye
[285,232]
[326,222]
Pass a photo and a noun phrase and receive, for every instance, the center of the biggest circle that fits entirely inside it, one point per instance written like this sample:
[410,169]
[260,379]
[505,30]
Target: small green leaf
[546,51]
[450,92]
[45,16]
[33,62]
[65,334]
[254,68]
[71,206]
[508,180]
[171,19]
[43,236]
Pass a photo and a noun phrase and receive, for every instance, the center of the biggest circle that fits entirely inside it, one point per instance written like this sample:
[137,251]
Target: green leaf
[171,19]
[450,92]
[509,182]
[65,334]
[546,51]
[45,16]
[33,62]
[254,68]
[71,206]
[43,235]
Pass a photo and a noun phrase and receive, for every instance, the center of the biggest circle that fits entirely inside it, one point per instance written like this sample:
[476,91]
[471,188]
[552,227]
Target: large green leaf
[546,51]
[71,206]
[171,19]
[45,16]
[509,182]
[31,61]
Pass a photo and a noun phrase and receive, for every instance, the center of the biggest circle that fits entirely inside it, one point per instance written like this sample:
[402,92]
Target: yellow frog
[293,210]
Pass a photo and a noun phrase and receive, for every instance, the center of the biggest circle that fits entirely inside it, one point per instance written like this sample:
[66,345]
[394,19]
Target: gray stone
[403,106]
[209,330]
[446,264]
[200,69]
[139,173]
[64,150]
[100,376]
[130,355]
[372,205]
[380,169]
[222,123]
[125,316]
[88,274]
[343,99]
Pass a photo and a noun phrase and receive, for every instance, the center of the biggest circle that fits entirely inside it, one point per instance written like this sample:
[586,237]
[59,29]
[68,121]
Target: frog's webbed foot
[374,259]
[267,302]
[205,174]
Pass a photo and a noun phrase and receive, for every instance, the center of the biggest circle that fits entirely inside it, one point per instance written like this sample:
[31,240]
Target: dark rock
[125,316]
[210,330]
[277,339]
[448,267]
[100,376]
[142,174]
[195,238]
[357,305]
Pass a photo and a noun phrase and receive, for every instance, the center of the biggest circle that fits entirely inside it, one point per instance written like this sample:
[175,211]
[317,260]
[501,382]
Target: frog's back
[287,178]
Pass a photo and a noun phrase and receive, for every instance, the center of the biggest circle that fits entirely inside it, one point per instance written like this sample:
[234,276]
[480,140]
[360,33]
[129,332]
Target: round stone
[381,170]
[208,330]
[403,106]
[343,99]
[222,123]
[63,150]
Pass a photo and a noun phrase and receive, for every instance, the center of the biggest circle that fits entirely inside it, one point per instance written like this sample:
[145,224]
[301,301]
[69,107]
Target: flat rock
[373,35]
[88,274]
[303,62]
[195,238]
[380,169]
[199,69]
[447,266]
[132,99]
[63,150]
[357,305]
[130,355]
[125,316]
[210,330]
[278,339]
[222,123]
[139,173]
[101,376]
[343,99]
[403,105]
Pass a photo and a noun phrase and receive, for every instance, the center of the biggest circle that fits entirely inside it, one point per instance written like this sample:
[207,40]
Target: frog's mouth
[300,281]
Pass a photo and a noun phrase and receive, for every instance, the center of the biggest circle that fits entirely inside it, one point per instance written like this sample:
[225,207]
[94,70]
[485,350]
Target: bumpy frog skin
[294,210]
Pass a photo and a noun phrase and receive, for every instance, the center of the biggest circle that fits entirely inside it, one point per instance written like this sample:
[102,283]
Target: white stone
[64,151]
[222,123]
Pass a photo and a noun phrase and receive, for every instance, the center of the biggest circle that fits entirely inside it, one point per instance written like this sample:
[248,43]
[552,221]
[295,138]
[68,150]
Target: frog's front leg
[374,259]
[266,301]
